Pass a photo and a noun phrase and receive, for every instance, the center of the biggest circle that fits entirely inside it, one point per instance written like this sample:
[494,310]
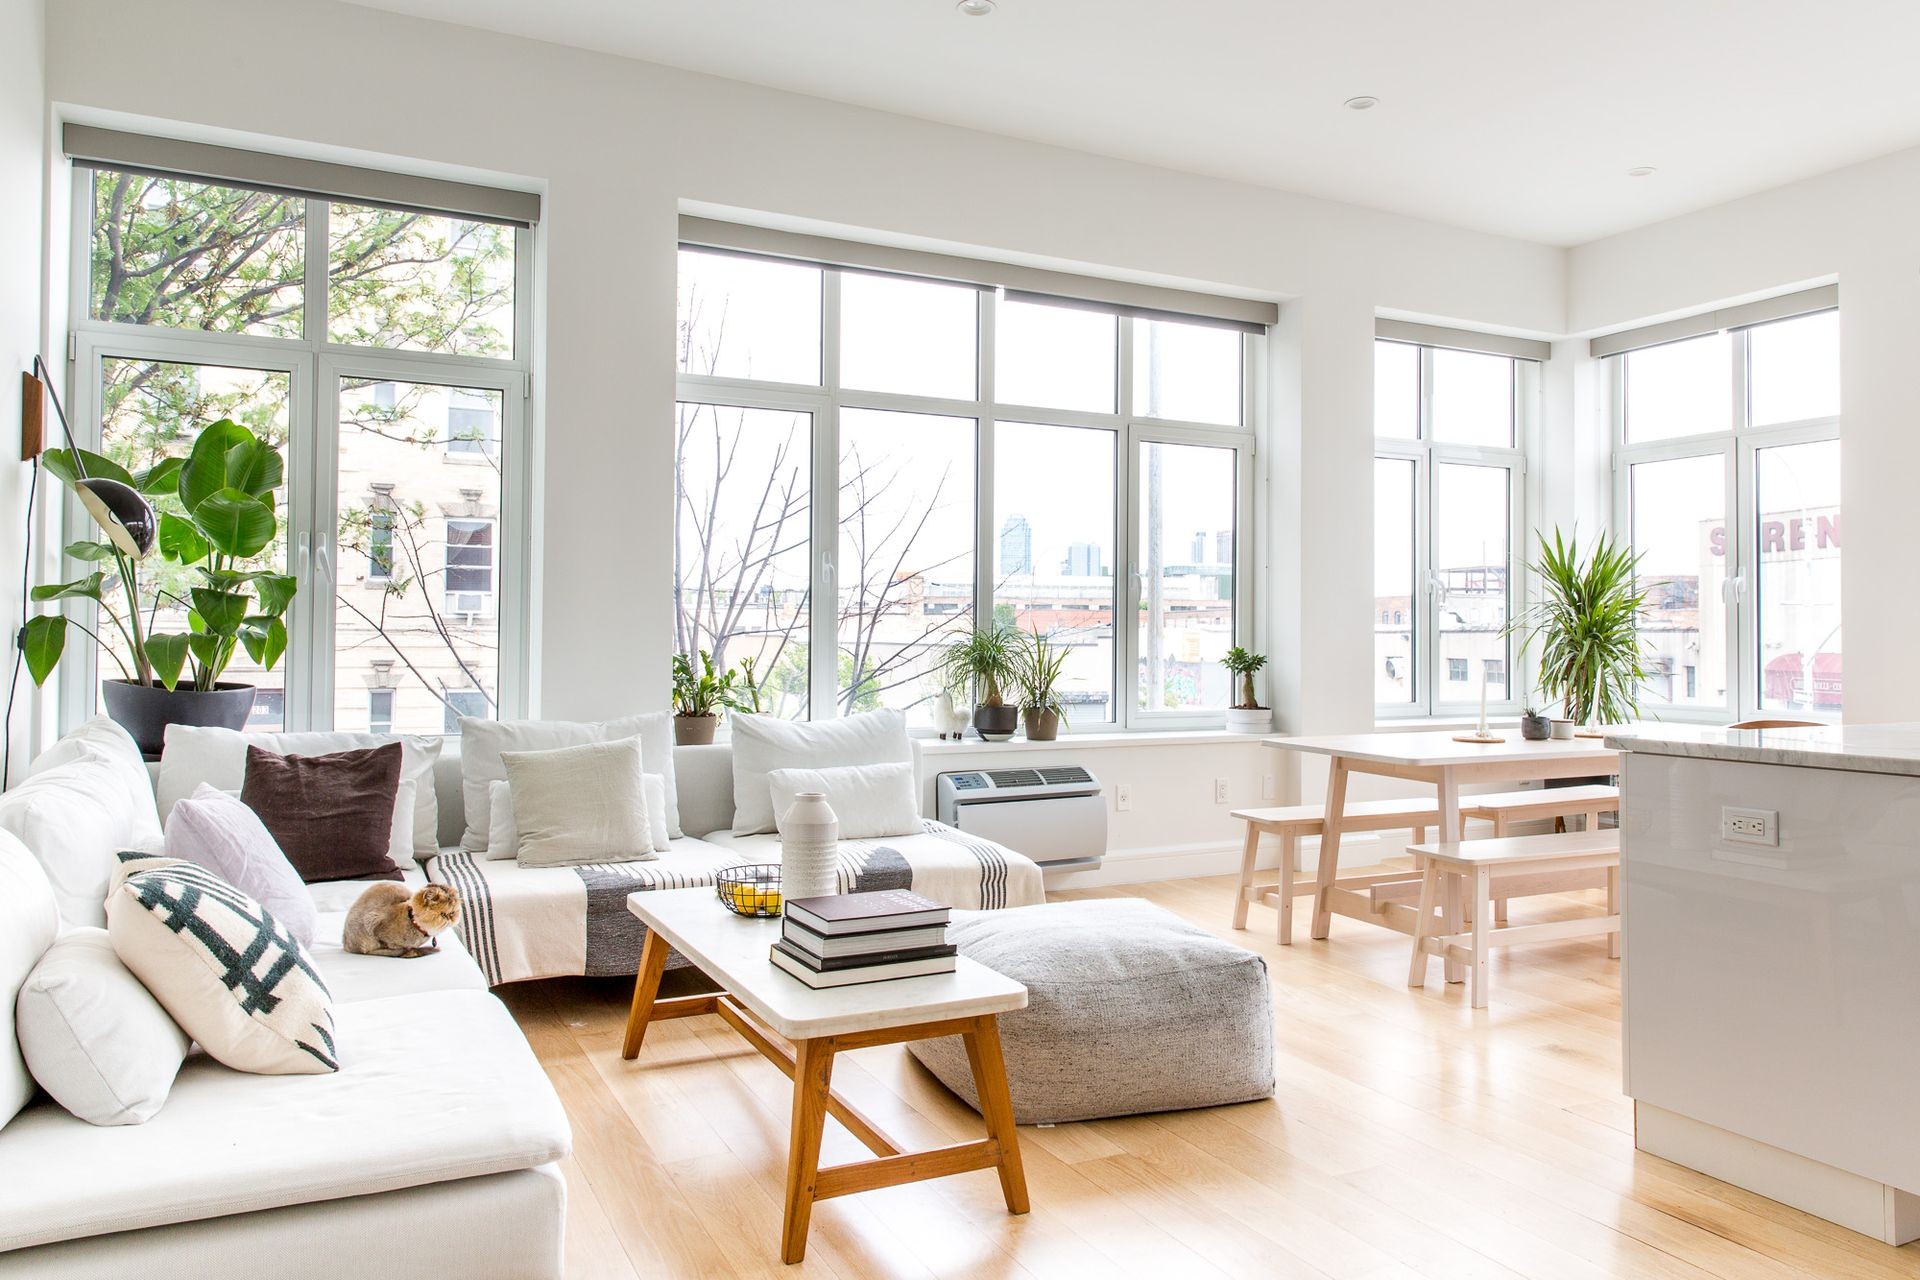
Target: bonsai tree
[1244,663]
[988,659]
[216,524]
[1588,626]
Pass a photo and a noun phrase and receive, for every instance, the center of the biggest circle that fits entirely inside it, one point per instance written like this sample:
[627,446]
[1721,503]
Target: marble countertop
[1863,748]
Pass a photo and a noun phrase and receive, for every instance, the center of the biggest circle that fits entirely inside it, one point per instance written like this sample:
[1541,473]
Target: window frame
[1427,455]
[826,400]
[315,365]
[1738,445]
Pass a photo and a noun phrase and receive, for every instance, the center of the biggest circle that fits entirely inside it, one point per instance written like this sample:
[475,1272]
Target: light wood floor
[1410,1136]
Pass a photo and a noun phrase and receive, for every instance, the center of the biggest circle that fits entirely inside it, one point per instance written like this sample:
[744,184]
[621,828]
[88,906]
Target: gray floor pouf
[1129,1010]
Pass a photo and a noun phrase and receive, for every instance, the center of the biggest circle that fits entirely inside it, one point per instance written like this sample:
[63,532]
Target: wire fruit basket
[751,890]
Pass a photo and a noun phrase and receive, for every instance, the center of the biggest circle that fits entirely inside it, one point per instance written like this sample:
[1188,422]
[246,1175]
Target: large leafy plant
[216,524]
[1588,625]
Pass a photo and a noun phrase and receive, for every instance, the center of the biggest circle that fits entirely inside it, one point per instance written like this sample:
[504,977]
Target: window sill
[1103,741]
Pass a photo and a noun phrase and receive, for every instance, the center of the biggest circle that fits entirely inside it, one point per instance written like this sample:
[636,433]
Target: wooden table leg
[1249,853]
[1482,889]
[1423,923]
[1289,852]
[996,1107]
[812,1080]
[646,986]
[1449,788]
[1330,817]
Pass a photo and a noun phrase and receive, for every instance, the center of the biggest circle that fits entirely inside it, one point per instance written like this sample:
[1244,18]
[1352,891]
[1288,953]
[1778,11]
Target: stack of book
[848,938]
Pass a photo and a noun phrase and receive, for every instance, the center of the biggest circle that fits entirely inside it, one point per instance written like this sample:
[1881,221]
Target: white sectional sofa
[436,1145]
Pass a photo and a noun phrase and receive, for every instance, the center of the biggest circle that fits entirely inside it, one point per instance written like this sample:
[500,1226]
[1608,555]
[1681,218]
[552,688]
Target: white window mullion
[986,541]
[823,639]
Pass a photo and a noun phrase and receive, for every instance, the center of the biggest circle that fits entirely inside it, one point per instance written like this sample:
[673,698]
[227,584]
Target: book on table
[836,914]
[877,945]
[795,963]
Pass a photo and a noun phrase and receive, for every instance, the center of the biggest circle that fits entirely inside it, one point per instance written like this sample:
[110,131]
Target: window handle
[302,557]
[323,566]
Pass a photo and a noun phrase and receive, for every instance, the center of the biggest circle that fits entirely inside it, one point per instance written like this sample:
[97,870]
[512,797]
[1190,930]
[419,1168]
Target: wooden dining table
[1434,756]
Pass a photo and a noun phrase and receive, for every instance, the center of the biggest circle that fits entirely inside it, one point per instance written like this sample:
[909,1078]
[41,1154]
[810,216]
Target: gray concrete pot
[145,710]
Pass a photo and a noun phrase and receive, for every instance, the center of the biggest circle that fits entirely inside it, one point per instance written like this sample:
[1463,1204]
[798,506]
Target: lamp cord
[20,638]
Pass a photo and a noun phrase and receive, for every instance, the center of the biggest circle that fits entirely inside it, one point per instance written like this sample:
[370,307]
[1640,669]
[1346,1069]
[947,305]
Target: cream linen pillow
[484,742]
[869,800]
[503,840]
[762,744]
[580,804]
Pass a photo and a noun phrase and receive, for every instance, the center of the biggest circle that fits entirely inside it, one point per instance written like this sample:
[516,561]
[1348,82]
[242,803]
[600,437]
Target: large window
[1728,485]
[385,352]
[1447,491]
[871,465]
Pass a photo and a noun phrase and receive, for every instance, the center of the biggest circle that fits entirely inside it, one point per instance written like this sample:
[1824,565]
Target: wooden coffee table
[799,1030]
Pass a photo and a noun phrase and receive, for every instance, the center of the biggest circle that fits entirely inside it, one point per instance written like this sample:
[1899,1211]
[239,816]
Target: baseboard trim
[1874,1209]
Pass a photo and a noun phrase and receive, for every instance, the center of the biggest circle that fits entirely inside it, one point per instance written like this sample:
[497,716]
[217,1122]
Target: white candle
[1483,700]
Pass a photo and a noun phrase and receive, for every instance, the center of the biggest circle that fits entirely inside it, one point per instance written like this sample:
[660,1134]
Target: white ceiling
[1519,117]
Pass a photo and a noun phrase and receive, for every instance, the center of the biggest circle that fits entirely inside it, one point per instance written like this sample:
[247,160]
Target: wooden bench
[1289,823]
[1456,874]
[1509,807]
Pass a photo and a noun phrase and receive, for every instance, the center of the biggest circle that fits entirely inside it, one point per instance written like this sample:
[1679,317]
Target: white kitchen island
[1771,991]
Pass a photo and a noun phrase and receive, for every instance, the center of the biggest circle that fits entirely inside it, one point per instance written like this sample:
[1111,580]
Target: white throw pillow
[75,817]
[762,744]
[29,922]
[868,799]
[229,973]
[483,742]
[194,755]
[503,840]
[94,1038]
[215,830]
[584,804]
[102,738]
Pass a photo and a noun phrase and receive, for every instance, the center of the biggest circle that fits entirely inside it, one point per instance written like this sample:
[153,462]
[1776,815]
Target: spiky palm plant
[1588,626]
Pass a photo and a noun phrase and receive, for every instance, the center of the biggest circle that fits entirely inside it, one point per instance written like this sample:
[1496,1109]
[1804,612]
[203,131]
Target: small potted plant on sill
[1247,715]
[1041,665]
[698,698]
[986,661]
[1534,725]
[211,516]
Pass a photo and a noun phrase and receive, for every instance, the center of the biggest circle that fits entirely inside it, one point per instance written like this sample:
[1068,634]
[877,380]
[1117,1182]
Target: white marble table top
[732,950]
[1436,748]
[1863,748]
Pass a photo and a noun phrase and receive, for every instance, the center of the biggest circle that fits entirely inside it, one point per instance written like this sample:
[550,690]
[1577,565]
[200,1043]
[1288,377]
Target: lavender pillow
[213,829]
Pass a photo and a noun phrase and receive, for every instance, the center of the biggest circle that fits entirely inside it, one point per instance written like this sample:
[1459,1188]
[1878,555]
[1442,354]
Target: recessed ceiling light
[1642,171]
[975,8]
[1365,102]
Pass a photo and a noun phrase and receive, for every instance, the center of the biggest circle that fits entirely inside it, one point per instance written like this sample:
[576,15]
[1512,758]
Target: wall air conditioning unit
[469,606]
[1056,816]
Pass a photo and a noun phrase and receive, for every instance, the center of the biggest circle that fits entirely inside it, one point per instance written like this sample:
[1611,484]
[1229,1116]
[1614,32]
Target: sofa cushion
[217,831]
[578,805]
[229,973]
[440,1086]
[762,744]
[29,922]
[868,800]
[329,813]
[195,755]
[76,813]
[94,1038]
[353,978]
[482,743]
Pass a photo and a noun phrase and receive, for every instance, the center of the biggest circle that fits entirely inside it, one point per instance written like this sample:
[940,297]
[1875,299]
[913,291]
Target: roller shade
[1491,344]
[97,148]
[1027,284]
[1746,315]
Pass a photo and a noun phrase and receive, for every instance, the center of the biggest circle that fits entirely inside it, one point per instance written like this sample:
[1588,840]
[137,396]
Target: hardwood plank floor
[1410,1135]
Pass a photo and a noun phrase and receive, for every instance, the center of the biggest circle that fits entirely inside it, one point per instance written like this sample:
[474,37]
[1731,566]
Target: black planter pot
[996,724]
[145,710]
[1535,728]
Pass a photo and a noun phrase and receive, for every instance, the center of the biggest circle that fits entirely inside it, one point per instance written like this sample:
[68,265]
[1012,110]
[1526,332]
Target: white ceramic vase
[809,848]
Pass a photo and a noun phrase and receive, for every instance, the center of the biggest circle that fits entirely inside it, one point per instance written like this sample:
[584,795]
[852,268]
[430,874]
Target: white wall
[22,177]
[621,146]
[1855,225]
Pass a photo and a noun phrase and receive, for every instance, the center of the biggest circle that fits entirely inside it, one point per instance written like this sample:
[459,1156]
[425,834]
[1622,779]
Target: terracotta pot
[996,724]
[694,731]
[1042,726]
[145,710]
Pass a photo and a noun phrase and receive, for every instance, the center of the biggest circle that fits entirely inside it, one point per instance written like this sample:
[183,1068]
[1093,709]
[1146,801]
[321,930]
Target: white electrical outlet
[1267,787]
[1123,797]
[1219,790]
[1750,826]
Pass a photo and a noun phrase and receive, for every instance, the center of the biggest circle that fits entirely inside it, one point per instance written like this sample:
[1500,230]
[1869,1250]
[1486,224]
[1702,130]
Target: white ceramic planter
[1249,720]
[809,848]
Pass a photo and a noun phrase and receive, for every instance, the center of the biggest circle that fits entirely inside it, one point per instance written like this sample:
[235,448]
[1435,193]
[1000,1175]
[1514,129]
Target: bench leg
[1613,909]
[1423,924]
[1481,924]
[1289,853]
[1453,895]
[1330,819]
[1248,853]
[1449,824]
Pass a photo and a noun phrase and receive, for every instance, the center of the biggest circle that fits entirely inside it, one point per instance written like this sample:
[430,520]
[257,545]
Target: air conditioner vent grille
[1014,777]
[1070,773]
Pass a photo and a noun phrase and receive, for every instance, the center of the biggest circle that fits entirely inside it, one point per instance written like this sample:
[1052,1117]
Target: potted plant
[1038,672]
[986,661]
[211,516]
[1247,715]
[699,698]
[1588,625]
[1534,725]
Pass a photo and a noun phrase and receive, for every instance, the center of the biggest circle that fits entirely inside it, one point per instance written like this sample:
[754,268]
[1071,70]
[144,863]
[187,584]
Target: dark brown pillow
[331,815]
